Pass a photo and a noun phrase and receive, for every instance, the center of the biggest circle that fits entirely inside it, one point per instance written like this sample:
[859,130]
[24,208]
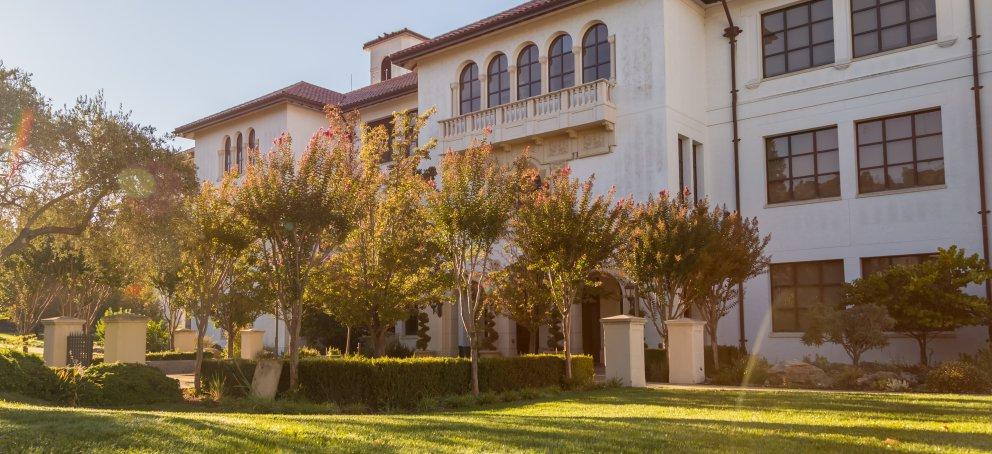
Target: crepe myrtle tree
[856,328]
[519,292]
[568,233]
[246,295]
[30,285]
[470,214]
[729,252]
[214,235]
[386,266]
[929,297]
[662,252]
[301,210]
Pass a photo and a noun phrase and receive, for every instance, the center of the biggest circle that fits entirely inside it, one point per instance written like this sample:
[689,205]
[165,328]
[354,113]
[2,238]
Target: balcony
[567,111]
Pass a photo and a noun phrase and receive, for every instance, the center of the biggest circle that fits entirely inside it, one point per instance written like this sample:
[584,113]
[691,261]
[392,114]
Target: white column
[124,338]
[623,344]
[512,71]
[251,343]
[577,56]
[685,351]
[544,73]
[57,330]
[184,340]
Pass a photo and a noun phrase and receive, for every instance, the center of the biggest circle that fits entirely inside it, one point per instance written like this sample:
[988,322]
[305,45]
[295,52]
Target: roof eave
[188,128]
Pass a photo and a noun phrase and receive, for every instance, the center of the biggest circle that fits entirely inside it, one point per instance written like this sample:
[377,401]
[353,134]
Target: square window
[774,43]
[891,24]
[913,152]
[775,65]
[861,4]
[927,122]
[816,283]
[804,188]
[823,54]
[778,169]
[790,30]
[778,192]
[797,169]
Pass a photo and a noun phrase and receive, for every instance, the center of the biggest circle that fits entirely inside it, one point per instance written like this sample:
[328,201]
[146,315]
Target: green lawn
[608,420]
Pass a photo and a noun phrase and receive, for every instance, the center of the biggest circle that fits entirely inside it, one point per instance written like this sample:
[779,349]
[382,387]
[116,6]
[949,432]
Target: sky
[170,62]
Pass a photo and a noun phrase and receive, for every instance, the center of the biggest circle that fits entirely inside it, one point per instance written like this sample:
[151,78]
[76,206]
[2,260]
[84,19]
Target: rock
[797,373]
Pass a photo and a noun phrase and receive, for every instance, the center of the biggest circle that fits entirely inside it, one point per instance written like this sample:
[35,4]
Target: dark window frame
[386,69]
[529,68]
[923,256]
[797,308]
[885,158]
[469,90]
[808,25]
[240,153]
[501,76]
[227,153]
[907,23]
[560,59]
[816,175]
[603,60]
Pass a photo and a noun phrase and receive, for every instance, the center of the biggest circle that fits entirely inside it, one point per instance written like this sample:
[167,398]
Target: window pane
[831,295]
[778,147]
[833,272]
[796,16]
[871,180]
[773,22]
[859,4]
[923,31]
[778,192]
[863,21]
[895,37]
[775,65]
[930,173]
[869,132]
[778,169]
[922,8]
[902,176]
[822,32]
[804,188]
[827,162]
[823,54]
[865,44]
[783,320]
[892,13]
[802,143]
[870,156]
[782,274]
[807,273]
[829,185]
[899,152]
[798,37]
[929,147]
[774,43]
[802,166]
[808,297]
[821,10]
[928,123]
[898,128]
[826,139]
[799,59]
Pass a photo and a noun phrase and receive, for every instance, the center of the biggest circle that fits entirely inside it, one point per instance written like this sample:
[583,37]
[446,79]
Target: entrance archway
[599,302]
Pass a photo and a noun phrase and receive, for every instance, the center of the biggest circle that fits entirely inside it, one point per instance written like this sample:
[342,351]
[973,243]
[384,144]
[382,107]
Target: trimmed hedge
[382,383]
[656,361]
[125,384]
[173,355]
[26,374]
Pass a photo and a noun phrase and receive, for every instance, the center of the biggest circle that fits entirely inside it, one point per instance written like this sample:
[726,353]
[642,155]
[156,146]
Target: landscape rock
[797,373]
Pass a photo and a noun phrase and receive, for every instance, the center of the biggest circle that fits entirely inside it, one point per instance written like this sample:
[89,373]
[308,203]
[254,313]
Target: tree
[213,236]
[568,234]
[470,214]
[302,212]
[245,297]
[856,328]
[519,293]
[662,253]
[731,252]
[62,169]
[30,284]
[927,298]
[97,273]
[386,266]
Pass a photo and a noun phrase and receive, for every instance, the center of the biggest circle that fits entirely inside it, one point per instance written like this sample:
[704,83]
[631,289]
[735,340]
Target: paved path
[185,380]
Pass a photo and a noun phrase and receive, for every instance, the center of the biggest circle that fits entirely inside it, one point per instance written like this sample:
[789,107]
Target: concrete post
[184,340]
[623,344]
[57,330]
[685,351]
[251,343]
[124,338]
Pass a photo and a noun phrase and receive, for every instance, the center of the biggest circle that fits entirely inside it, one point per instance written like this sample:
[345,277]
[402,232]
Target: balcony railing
[570,102]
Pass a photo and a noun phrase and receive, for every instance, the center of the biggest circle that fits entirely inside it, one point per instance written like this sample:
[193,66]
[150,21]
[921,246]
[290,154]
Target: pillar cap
[184,330]
[126,318]
[253,331]
[618,319]
[684,322]
[63,320]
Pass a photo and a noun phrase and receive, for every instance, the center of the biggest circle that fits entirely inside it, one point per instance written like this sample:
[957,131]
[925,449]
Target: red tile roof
[386,36]
[512,16]
[382,91]
[304,93]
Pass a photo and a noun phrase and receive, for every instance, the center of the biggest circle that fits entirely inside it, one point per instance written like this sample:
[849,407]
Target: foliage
[555,334]
[301,210]
[30,283]
[246,296]
[389,383]
[519,293]
[856,328]
[742,371]
[157,336]
[958,377]
[423,330]
[128,384]
[928,297]
[567,233]
[173,355]
[387,265]
[656,365]
[470,214]
[321,330]
[26,374]
[396,349]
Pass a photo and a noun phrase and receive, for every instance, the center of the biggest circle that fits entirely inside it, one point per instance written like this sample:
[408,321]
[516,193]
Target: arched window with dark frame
[498,82]
[252,142]
[469,90]
[386,69]
[227,153]
[596,54]
[240,154]
[528,73]
[561,64]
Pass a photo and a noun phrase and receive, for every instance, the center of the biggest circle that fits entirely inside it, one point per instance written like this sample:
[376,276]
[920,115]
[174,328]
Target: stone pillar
[185,340]
[124,338]
[251,343]
[685,351]
[57,330]
[623,345]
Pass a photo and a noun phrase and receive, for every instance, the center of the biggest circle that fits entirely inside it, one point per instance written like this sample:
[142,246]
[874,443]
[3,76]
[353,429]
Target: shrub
[742,371]
[26,374]
[127,384]
[728,354]
[958,377]
[309,352]
[173,355]
[157,336]
[398,350]
[844,377]
[656,364]
[982,360]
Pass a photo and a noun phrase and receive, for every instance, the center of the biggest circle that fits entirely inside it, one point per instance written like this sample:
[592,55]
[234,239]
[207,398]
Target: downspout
[731,33]
[980,141]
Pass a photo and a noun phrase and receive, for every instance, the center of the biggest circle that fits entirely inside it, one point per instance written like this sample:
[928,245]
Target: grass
[607,420]
[14,341]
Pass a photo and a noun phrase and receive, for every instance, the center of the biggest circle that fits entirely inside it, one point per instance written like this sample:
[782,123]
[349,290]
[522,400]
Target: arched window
[561,64]
[596,54]
[528,73]
[240,153]
[227,154]
[469,91]
[498,82]
[386,69]
[251,139]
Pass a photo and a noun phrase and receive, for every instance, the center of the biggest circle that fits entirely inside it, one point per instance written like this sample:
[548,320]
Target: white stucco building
[858,145]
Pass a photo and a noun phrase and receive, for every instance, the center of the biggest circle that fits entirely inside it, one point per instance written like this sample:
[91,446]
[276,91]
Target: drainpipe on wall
[731,33]
[984,212]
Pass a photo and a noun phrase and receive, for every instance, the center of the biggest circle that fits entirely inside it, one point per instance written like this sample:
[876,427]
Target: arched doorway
[598,302]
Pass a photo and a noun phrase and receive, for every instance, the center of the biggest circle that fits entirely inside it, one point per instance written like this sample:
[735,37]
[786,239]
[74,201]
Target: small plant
[309,352]
[398,350]
[215,388]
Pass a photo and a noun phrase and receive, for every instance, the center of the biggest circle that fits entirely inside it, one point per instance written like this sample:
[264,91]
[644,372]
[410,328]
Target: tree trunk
[347,341]
[294,345]
[201,330]
[534,333]
[715,348]
[567,334]
[276,315]
[475,365]
[922,341]
[379,341]
[230,341]
[856,359]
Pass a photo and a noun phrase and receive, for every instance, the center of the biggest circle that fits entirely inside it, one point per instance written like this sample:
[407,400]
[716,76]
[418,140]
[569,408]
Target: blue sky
[171,62]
